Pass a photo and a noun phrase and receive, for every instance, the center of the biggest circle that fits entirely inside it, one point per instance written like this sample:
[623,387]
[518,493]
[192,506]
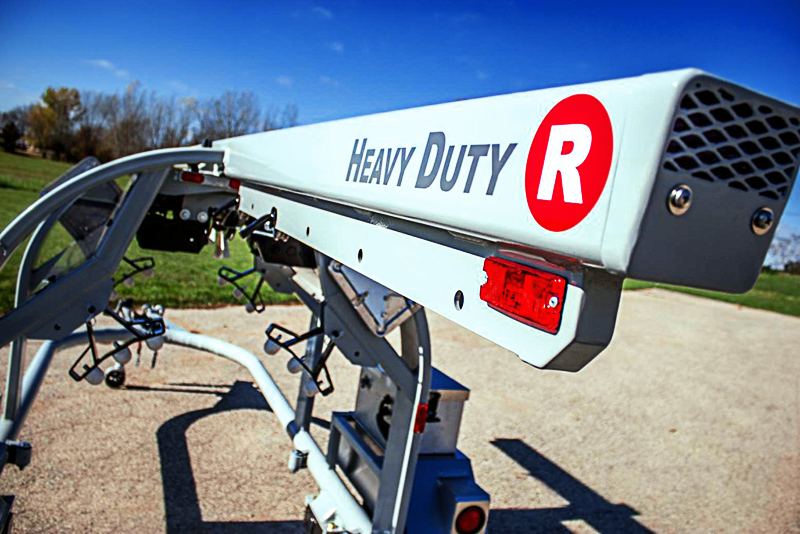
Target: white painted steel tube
[354,518]
[37,369]
[352,514]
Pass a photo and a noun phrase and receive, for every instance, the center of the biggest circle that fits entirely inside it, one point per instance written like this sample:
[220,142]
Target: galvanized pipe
[349,511]
[347,508]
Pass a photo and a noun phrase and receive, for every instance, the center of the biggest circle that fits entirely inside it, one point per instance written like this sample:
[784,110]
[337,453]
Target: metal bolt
[297,460]
[185,214]
[202,217]
[458,300]
[762,221]
[553,301]
[366,383]
[680,200]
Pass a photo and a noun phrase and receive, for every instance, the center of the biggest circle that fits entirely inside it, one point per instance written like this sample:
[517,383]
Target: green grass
[776,292]
[181,280]
[27,173]
[185,280]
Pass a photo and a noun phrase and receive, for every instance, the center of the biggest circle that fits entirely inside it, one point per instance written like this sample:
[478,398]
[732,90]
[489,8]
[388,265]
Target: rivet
[680,200]
[762,221]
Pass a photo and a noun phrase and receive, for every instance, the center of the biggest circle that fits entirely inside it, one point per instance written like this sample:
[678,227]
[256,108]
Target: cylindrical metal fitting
[762,221]
[680,199]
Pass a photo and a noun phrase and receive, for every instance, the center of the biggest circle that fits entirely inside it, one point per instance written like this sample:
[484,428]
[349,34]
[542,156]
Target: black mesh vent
[719,136]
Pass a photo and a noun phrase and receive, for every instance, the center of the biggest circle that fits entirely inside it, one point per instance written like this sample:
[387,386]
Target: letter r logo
[569,162]
[556,161]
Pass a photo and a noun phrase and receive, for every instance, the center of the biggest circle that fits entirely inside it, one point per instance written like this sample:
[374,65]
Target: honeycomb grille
[718,136]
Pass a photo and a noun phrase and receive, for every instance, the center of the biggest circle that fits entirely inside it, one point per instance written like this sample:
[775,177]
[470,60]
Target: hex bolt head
[202,217]
[185,214]
[680,200]
[762,221]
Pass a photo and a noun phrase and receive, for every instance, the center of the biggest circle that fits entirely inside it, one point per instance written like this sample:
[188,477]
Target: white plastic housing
[427,238]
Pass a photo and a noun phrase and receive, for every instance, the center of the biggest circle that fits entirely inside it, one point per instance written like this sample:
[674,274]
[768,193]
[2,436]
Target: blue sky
[350,58]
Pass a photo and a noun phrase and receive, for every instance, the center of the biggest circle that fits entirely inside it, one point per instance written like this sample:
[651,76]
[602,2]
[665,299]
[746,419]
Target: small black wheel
[115,378]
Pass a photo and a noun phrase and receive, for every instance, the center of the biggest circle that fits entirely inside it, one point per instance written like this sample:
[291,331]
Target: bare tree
[109,126]
[275,119]
[229,115]
[784,250]
[91,137]
[169,121]
[126,117]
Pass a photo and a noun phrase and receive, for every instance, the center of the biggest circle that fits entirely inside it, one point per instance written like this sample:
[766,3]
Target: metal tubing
[305,403]
[354,517]
[78,294]
[402,447]
[16,359]
[37,369]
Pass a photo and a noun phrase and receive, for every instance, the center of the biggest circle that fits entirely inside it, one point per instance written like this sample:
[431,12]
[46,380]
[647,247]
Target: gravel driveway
[689,422]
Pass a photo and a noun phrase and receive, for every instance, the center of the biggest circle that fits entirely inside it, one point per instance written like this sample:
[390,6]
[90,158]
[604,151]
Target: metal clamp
[255,303]
[140,265]
[141,328]
[263,224]
[275,342]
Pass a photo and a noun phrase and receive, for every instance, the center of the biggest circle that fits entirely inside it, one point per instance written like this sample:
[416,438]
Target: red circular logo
[568,162]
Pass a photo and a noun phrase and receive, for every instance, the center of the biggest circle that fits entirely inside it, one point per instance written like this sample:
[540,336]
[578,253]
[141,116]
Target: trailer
[517,217]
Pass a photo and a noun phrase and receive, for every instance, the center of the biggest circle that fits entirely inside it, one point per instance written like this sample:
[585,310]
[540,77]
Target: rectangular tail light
[528,295]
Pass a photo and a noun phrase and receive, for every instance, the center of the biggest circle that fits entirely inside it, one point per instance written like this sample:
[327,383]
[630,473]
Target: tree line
[71,125]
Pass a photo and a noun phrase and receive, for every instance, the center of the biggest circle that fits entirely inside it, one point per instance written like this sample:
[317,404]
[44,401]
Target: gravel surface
[689,422]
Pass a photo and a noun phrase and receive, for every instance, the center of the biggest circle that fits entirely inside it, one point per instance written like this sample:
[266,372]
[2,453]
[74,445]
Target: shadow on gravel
[584,503]
[181,503]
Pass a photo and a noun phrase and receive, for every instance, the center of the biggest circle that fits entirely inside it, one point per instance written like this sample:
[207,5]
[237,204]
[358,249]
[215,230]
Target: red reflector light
[421,419]
[192,177]
[471,520]
[528,295]
[234,184]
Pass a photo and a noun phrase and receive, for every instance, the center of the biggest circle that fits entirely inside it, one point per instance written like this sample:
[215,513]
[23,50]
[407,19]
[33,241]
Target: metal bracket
[381,309]
[264,224]
[139,265]
[255,303]
[276,342]
[142,328]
